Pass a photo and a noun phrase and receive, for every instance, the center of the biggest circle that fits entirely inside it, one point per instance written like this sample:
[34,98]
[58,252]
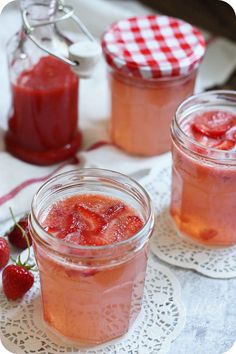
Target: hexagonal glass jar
[91,294]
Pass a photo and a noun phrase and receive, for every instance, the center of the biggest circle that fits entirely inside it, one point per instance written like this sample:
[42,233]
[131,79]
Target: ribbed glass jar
[91,294]
[203,200]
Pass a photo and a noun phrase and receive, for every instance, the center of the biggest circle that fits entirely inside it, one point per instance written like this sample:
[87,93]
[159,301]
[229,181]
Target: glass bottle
[43,121]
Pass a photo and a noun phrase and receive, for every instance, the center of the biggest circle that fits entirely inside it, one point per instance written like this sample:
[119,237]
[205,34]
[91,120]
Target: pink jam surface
[92,220]
[91,303]
[203,199]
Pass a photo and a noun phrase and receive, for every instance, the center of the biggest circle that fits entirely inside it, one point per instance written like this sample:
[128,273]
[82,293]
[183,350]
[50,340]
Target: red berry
[16,281]
[114,210]
[214,123]
[225,145]
[133,225]
[95,221]
[16,236]
[126,227]
[4,252]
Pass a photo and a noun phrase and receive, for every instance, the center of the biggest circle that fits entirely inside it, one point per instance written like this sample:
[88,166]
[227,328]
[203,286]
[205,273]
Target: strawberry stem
[24,234]
[12,259]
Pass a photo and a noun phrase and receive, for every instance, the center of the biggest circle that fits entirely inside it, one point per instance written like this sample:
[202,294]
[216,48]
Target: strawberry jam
[92,220]
[43,126]
[214,129]
[203,200]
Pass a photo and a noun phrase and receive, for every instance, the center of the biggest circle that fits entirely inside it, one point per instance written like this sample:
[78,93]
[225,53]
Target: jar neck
[153,82]
[40,10]
[214,100]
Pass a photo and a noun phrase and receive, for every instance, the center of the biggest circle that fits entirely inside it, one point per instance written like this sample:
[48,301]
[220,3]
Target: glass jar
[203,198]
[43,120]
[153,62]
[91,294]
[156,100]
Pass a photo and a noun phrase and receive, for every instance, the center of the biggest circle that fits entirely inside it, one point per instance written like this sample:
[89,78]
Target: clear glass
[203,200]
[142,110]
[91,294]
[43,120]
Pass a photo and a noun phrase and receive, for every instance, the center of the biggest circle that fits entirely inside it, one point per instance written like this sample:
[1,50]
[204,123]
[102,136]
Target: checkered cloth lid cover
[153,47]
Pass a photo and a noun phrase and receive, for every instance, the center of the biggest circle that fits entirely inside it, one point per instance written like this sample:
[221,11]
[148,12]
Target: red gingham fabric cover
[153,47]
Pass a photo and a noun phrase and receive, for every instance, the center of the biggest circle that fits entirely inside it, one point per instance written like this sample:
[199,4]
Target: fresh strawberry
[214,123]
[17,234]
[16,281]
[17,278]
[4,252]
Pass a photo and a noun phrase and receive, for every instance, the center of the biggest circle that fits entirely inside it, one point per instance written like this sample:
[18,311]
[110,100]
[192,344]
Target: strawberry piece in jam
[76,237]
[214,124]
[132,225]
[92,220]
[208,234]
[225,145]
[113,211]
[123,228]
[231,134]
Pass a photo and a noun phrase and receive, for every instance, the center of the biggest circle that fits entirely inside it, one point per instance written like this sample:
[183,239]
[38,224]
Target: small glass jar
[43,120]
[91,294]
[153,62]
[203,198]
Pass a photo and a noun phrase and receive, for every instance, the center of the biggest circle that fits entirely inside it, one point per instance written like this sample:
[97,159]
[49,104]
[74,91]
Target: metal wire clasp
[67,12]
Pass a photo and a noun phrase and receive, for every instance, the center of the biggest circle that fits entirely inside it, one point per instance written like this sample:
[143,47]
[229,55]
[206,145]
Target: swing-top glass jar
[153,62]
[43,121]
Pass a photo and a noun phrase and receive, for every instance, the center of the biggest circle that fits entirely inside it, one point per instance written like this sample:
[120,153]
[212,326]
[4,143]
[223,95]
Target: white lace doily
[168,246]
[161,320]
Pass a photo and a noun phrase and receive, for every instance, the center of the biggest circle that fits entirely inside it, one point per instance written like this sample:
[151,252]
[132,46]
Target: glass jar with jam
[153,62]
[203,200]
[43,121]
[90,231]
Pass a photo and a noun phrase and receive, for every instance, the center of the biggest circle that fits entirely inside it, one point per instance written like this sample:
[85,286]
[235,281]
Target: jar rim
[148,223]
[204,98]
